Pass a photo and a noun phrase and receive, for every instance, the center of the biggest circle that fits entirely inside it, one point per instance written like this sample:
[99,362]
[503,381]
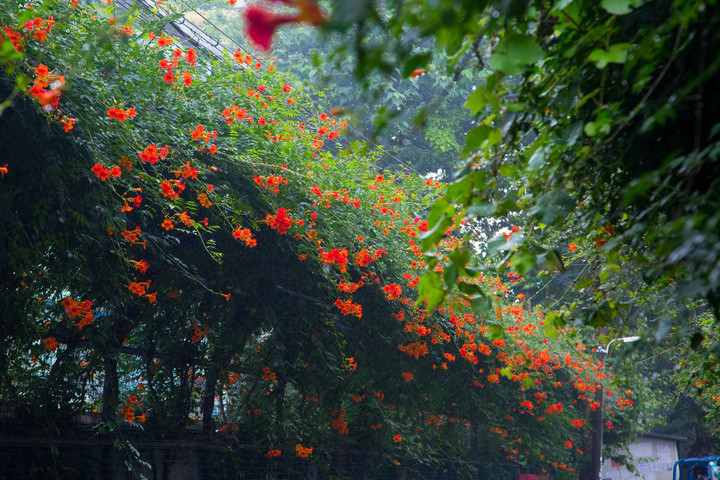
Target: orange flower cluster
[349,308]
[335,257]
[49,98]
[623,403]
[241,58]
[125,30]
[363,258]
[555,408]
[51,344]
[199,332]
[407,376]
[186,171]
[162,41]
[204,200]
[185,218]
[104,173]
[272,182]
[74,309]
[274,453]
[121,115]
[167,189]
[152,154]
[245,235]
[16,39]
[139,288]
[415,349]
[190,56]
[200,134]
[349,287]
[342,195]
[352,364]
[68,123]
[40,28]
[132,236]
[268,376]
[128,412]
[338,421]
[235,113]
[280,222]
[303,452]
[392,291]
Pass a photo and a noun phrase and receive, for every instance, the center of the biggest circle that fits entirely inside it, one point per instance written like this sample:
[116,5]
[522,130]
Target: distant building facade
[652,457]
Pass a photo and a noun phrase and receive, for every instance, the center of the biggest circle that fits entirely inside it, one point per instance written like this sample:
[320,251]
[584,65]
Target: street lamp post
[597,419]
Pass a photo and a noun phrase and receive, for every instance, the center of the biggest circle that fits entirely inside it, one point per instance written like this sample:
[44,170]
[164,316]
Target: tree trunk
[111,387]
[208,399]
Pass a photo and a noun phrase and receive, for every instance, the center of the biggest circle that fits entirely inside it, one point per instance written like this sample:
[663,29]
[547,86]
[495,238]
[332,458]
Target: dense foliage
[597,134]
[596,128]
[419,123]
[182,245]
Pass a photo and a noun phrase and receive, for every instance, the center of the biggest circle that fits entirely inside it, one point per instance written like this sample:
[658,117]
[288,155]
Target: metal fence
[76,457]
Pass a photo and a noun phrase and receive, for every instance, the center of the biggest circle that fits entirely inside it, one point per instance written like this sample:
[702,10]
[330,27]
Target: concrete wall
[653,459]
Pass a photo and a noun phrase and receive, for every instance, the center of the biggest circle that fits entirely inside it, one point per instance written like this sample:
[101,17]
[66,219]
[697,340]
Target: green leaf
[450,275]
[480,304]
[552,259]
[607,270]
[500,244]
[438,209]
[459,258]
[537,160]
[483,95]
[495,331]
[552,206]
[617,53]
[523,261]
[415,62]
[560,4]
[483,209]
[476,137]
[430,288]
[469,288]
[515,53]
[616,7]
[460,189]
[434,234]
[477,100]
[506,206]
[601,316]
[507,170]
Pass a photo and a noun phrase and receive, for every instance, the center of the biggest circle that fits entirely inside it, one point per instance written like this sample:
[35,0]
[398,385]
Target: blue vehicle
[700,468]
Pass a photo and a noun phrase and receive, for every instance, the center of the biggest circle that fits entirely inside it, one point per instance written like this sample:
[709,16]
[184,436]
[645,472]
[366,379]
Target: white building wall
[653,459]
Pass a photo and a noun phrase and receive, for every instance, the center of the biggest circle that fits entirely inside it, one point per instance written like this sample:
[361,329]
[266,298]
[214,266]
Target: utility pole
[598,422]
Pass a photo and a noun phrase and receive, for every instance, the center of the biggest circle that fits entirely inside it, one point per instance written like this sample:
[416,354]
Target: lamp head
[606,349]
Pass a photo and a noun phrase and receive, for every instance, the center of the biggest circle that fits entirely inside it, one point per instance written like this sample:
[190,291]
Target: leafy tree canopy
[597,127]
